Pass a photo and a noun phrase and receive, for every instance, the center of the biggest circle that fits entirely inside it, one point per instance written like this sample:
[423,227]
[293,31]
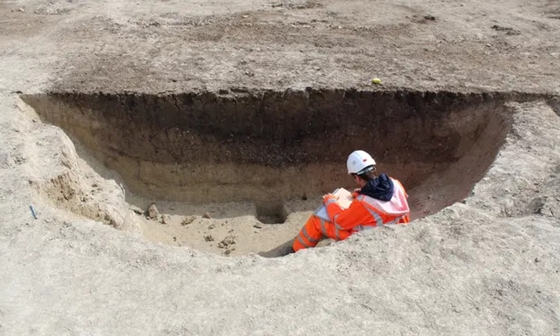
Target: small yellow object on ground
[376,81]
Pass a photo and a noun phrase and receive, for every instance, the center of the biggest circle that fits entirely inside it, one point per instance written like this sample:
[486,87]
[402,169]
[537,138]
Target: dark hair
[368,175]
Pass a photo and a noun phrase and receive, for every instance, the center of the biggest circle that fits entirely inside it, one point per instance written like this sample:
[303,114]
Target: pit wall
[268,145]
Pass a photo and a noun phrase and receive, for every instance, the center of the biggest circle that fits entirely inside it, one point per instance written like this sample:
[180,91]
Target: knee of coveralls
[309,235]
[314,230]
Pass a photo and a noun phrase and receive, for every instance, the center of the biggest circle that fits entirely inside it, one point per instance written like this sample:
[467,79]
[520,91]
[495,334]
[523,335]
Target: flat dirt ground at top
[487,266]
[161,46]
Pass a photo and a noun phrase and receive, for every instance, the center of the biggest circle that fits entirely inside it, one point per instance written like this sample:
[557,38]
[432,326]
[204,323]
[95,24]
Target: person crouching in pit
[379,200]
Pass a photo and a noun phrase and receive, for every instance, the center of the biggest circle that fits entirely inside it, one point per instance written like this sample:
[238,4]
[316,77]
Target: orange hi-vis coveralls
[365,212]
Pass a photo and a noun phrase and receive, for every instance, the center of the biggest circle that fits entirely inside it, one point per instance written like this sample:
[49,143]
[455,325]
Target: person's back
[380,200]
[386,200]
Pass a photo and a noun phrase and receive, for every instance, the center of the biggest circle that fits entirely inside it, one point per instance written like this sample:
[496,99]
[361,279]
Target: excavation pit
[281,151]
[271,211]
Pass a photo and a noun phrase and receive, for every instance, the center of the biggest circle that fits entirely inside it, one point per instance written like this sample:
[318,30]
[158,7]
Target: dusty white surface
[488,266]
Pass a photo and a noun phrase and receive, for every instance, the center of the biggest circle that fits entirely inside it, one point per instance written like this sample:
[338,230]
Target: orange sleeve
[347,219]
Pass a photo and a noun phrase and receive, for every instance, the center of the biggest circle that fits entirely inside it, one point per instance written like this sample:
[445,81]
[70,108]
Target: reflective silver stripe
[304,230]
[330,201]
[335,217]
[335,223]
[368,227]
[372,202]
[336,233]
[378,220]
[323,229]
[363,227]
[301,241]
[337,227]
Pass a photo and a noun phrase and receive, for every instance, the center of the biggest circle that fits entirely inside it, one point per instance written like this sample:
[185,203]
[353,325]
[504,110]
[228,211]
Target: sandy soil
[485,266]
[228,234]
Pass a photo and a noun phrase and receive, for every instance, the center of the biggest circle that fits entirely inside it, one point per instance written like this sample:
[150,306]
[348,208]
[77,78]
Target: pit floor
[227,229]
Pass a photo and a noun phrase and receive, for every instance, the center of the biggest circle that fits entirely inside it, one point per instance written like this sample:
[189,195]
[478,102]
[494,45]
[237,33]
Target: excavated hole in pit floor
[277,149]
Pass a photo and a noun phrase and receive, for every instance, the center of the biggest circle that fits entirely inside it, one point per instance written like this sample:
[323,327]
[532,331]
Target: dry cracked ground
[158,156]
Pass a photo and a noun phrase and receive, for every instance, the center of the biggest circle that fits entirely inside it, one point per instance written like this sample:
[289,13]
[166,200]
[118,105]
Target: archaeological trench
[270,147]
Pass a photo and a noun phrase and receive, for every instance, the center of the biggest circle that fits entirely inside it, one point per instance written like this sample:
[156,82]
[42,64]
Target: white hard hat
[359,162]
